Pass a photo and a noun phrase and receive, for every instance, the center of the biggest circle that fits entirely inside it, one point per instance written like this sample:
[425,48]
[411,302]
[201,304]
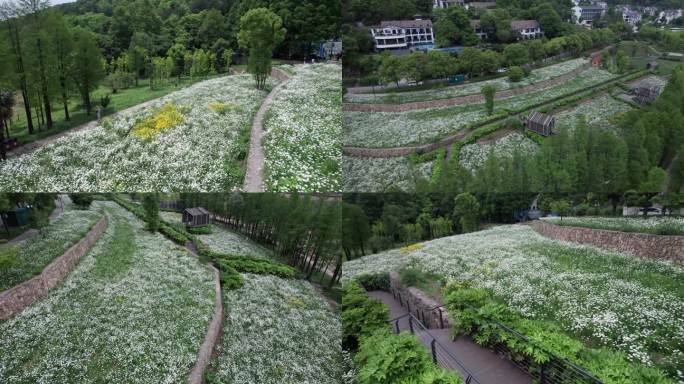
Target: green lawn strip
[28,258]
[135,309]
[121,100]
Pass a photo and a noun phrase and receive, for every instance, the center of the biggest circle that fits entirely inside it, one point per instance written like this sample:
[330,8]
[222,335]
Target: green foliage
[202,230]
[562,207]
[488,91]
[385,357]
[467,209]
[8,258]
[230,278]
[361,315]
[374,282]
[151,207]
[105,100]
[515,74]
[261,31]
[478,314]
[81,200]
[258,266]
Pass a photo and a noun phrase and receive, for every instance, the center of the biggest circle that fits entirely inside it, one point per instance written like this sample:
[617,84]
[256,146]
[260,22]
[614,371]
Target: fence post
[434,353]
[410,322]
[441,321]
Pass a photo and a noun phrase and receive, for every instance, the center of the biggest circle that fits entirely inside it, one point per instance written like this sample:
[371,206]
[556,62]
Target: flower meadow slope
[277,331]
[303,140]
[190,140]
[134,310]
[630,304]
[659,225]
[503,83]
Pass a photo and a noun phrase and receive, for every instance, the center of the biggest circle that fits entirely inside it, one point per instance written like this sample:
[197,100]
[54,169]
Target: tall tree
[87,71]
[6,108]
[261,31]
[10,13]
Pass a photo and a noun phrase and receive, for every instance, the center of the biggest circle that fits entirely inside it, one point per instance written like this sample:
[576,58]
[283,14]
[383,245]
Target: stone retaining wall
[212,336]
[640,244]
[419,304]
[279,74]
[477,98]
[15,299]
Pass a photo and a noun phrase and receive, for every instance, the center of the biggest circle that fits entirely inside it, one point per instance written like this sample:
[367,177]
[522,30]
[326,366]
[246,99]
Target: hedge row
[383,356]
[178,235]
[478,314]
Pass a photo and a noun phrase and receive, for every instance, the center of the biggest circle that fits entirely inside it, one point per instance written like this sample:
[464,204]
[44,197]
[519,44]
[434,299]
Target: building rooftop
[405,24]
[515,24]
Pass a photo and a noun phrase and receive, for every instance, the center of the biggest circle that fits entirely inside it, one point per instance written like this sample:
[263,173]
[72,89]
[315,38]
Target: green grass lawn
[121,100]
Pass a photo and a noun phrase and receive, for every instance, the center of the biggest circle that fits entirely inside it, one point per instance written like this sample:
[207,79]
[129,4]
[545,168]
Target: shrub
[515,74]
[374,282]
[230,279]
[81,200]
[8,258]
[202,230]
[385,357]
[119,80]
[151,207]
[361,315]
[477,314]
[105,101]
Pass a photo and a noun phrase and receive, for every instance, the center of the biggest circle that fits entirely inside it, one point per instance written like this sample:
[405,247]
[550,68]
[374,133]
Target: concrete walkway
[254,174]
[485,365]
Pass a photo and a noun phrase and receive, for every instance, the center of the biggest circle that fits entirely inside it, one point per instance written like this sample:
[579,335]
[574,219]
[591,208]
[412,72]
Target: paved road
[485,365]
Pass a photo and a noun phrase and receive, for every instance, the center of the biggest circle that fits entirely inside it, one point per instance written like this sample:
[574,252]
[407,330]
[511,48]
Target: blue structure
[430,47]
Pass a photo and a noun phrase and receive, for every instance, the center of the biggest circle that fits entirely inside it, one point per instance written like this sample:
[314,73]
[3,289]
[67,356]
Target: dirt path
[31,147]
[486,366]
[254,174]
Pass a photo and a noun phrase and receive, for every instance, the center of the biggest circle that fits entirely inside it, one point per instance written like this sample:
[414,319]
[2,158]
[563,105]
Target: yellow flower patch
[169,116]
[223,108]
[411,248]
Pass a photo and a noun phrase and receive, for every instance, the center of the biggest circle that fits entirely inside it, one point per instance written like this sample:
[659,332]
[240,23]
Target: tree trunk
[2,139]
[65,99]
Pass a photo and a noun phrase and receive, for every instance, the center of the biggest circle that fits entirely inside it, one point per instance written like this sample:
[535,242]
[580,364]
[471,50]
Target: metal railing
[556,370]
[439,353]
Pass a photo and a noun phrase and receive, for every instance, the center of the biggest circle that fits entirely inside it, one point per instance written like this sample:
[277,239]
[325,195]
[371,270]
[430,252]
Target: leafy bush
[105,101]
[361,315]
[258,266]
[119,80]
[385,357]
[81,200]
[202,230]
[230,278]
[374,282]
[151,207]
[8,258]
[515,74]
[477,314]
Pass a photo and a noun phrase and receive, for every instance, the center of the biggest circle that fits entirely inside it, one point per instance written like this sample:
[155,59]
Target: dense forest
[303,230]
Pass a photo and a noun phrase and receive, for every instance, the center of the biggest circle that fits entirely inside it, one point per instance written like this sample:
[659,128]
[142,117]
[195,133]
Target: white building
[444,4]
[402,34]
[629,15]
[527,29]
[668,15]
[586,14]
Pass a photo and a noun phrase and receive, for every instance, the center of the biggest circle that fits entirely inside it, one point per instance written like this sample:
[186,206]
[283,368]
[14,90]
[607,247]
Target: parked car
[651,211]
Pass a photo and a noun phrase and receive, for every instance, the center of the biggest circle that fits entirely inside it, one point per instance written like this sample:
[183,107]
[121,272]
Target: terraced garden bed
[134,310]
[393,129]
[657,225]
[608,299]
[303,142]
[277,331]
[475,88]
[30,257]
[369,174]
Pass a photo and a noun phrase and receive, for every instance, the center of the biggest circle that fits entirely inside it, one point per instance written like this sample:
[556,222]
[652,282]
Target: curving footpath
[467,99]
[254,174]
[214,330]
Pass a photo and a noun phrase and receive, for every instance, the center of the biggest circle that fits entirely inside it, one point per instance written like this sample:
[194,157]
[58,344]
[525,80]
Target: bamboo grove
[304,230]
